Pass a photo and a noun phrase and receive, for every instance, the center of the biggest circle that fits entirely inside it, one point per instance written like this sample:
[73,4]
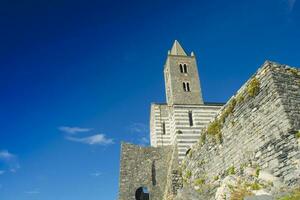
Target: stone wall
[177,124]
[144,167]
[257,127]
[174,177]
[174,80]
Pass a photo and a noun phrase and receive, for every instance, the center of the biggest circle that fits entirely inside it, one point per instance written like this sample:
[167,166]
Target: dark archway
[142,194]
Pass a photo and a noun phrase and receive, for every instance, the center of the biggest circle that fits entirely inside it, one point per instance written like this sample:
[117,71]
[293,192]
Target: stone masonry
[143,167]
[181,119]
[195,146]
[261,130]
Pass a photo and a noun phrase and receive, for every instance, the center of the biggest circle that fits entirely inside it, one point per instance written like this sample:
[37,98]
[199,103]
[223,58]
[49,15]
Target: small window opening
[184,68]
[163,128]
[188,87]
[184,86]
[191,118]
[181,68]
[142,193]
[153,173]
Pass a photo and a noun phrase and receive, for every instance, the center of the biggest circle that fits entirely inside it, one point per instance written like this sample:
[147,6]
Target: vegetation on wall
[293,71]
[199,181]
[230,171]
[253,87]
[214,128]
[240,192]
[294,195]
[297,134]
[188,174]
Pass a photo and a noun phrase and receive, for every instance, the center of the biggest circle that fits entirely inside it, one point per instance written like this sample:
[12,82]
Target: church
[181,119]
[154,172]
[258,127]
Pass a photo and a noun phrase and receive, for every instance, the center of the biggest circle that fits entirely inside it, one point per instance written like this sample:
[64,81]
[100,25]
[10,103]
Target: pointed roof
[177,49]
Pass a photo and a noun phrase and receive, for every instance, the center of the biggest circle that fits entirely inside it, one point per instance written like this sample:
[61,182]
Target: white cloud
[138,128]
[5,155]
[33,192]
[98,139]
[10,160]
[144,141]
[291,4]
[288,5]
[73,130]
[96,174]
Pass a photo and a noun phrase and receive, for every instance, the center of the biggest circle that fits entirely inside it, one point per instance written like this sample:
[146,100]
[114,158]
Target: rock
[260,197]
[223,192]
[261,192]
[187,193]
[250,171]
[267,176]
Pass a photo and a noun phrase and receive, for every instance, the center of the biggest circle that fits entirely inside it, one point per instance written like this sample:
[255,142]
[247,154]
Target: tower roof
[177,49]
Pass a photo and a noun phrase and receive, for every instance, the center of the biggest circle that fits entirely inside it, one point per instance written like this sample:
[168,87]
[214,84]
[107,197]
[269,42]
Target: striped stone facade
[181,119]
[171,124]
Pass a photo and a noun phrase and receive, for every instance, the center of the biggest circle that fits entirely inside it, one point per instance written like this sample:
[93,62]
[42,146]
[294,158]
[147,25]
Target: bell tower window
[184,68]
[181,68]
[186,86]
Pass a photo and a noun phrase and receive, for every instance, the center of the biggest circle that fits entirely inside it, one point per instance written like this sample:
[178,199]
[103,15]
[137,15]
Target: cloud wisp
[73,130]
[144,141]
[96,174]
[5,155]
[138,128]
[9,160]
[98,139]
[32,192]
[291,4]
[72,134]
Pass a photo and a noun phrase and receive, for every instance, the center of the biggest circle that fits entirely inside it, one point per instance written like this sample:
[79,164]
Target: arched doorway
[142,193]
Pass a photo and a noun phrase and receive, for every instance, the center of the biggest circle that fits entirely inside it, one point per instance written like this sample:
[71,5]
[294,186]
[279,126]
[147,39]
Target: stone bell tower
[181,119]
[181,78]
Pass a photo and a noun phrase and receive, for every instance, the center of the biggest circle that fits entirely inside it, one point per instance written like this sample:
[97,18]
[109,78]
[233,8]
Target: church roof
[177,49]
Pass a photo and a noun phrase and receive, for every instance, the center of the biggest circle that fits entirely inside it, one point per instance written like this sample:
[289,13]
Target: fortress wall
[143,167]
[260,130]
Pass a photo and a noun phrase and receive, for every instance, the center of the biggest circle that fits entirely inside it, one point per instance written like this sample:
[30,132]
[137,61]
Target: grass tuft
[253,87]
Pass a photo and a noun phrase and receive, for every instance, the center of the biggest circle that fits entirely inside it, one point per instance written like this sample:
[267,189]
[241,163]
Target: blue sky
[77,77]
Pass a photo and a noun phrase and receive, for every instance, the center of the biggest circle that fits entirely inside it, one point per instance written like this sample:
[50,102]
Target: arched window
[188,87]
[184,86]
[142,193]
[184,68]
[181,68]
